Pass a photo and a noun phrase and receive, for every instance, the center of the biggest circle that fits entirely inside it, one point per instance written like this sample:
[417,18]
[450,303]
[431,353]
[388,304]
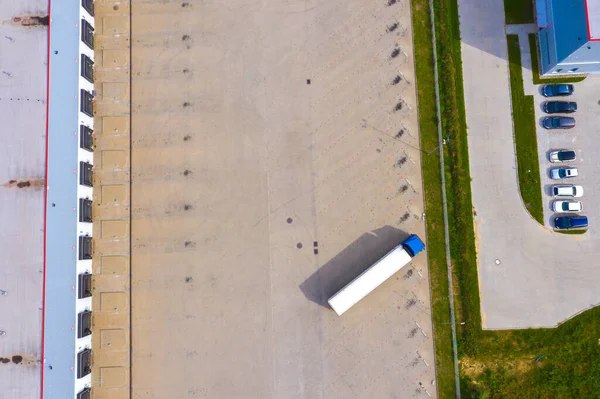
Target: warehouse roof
[22,170]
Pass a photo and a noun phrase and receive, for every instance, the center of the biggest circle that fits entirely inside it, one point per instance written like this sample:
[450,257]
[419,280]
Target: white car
[563,173]
[567,190]
[562,156]
[567,206]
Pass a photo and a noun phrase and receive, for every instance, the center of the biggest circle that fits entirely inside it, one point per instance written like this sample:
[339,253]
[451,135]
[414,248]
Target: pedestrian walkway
[523,31]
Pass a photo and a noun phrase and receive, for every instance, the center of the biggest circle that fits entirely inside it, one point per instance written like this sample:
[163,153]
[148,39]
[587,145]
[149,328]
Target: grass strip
[535,68]
[525,135]
[504,365]
[518,11]
[433,198]
[458,177]
[573,232]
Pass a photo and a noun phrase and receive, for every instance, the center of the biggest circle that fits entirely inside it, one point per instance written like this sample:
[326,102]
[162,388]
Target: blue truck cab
[413,245]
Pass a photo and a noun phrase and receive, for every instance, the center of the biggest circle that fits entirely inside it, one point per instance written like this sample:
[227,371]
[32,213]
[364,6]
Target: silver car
[563,172]
[567,190]
[567,206]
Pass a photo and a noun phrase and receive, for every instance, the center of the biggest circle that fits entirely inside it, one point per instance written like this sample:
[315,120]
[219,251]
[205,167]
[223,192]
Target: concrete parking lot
[275,156]
[529,276]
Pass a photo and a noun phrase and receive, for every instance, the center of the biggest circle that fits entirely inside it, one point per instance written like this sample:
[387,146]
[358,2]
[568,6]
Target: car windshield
[565,206]
[564,190]
[566,155]
[562,173]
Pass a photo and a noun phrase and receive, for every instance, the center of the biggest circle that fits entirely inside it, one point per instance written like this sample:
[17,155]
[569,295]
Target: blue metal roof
[542,7]
[570,27]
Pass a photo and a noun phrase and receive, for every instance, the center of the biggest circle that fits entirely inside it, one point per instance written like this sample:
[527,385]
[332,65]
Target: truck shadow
[349,263]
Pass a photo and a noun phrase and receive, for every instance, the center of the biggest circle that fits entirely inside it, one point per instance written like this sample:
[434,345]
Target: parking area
[275,156]
[583,139]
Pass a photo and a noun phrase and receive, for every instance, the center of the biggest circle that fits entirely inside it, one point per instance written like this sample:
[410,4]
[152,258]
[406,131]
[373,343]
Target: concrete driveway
[269,168]
[529,276]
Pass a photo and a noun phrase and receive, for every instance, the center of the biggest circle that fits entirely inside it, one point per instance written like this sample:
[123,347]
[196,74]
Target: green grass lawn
[518,11]
[494,364]
[536,69]
[525,135]
[572,232]
[433,199]
[503,363]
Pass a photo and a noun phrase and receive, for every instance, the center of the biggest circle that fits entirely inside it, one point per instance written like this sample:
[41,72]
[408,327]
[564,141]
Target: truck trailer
[375,275]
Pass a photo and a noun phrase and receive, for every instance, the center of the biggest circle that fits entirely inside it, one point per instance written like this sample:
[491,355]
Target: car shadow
[548,191]
[348,264]
[551,220]
[551,202]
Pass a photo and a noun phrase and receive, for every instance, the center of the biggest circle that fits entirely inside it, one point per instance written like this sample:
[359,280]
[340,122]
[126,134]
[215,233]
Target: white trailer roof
[370,279]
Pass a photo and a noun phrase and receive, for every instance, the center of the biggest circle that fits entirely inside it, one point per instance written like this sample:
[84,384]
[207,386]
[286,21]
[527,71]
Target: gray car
[558,122]
[562,156]
[563,172]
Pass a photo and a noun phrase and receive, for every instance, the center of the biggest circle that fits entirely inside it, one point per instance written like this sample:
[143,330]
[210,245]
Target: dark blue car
[558,90]
[570,222]
[560,107]
[558,122]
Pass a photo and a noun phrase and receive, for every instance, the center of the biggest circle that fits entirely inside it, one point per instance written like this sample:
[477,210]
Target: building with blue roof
[569,36]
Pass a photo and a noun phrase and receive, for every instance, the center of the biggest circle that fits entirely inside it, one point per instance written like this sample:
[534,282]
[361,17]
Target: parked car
[567,190]
[558,90]
[570,222]
[562,156]
[560,107]
[567,206]
[558,122]
[563,172]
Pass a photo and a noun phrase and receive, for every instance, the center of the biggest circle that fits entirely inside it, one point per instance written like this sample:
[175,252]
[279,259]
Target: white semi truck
[375,275]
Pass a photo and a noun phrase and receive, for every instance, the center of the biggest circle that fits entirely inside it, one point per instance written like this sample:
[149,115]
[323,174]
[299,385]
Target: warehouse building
[46,166]
[569,36]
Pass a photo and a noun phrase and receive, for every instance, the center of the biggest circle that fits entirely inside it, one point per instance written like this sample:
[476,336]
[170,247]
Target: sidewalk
[523,32]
